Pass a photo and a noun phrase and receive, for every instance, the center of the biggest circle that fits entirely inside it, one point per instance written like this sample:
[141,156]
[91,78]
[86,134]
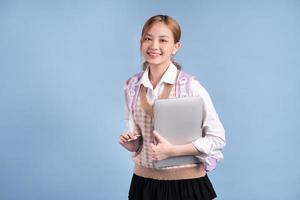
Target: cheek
[168,50]
[144,46]
[167,47]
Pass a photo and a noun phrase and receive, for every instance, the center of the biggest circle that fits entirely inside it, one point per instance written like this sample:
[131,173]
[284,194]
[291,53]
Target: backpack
[183,89]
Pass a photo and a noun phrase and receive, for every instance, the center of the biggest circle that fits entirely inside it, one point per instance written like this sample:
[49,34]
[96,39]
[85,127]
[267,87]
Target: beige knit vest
[144,165]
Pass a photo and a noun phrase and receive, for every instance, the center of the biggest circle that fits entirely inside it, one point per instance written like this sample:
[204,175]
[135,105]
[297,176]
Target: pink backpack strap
[184,89]
[211,164]
[183,85]
[132,90]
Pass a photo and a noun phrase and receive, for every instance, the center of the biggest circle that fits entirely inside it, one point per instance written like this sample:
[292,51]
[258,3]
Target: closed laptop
[179,120]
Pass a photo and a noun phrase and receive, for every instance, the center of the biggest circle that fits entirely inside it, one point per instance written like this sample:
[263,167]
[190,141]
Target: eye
[147,39]
[163,40]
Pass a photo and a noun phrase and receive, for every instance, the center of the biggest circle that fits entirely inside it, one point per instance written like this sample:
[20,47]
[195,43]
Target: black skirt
[186,189]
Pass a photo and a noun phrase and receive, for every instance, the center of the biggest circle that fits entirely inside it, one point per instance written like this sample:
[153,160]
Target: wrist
[174,150]
[182,150]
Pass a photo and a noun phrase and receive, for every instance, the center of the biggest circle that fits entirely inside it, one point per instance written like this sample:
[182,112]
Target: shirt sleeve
[213,142]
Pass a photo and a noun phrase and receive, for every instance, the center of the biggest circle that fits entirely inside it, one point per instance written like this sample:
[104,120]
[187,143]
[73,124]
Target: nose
[154,44]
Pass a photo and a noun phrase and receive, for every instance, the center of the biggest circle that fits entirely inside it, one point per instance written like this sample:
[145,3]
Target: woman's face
[158,45]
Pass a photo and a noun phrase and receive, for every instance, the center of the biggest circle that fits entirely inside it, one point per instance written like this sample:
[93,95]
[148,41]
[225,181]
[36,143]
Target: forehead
[159,29]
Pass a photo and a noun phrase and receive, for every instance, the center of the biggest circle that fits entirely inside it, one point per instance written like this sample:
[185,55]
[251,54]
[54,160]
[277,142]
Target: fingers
[127,137]
[158,137]
[153,154]
[122,139]
[133,136]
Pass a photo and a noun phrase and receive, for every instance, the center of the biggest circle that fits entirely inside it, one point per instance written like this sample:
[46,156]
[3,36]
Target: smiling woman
[163,78]
[157,46]
[168,37]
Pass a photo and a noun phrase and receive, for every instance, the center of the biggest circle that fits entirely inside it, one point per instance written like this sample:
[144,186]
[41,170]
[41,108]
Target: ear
[176,47]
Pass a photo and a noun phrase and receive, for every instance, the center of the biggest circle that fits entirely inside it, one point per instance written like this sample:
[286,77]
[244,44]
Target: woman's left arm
[213,142]
[209,146]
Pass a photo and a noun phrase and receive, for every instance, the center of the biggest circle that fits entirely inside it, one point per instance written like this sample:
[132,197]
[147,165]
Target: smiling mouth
[153,54]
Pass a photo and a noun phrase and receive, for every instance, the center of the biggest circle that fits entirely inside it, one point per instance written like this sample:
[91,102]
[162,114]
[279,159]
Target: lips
[153,54]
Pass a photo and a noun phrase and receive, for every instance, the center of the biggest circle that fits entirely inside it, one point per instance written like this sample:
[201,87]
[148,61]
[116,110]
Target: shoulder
[184,75]
[135,78]
[189,79]
[198,89]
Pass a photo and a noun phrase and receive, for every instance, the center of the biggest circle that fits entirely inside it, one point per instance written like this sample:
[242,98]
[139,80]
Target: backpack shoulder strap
[183,85]
[132,90]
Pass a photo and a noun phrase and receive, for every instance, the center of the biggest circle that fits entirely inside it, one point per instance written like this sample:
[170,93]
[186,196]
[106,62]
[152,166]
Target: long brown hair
[172,25]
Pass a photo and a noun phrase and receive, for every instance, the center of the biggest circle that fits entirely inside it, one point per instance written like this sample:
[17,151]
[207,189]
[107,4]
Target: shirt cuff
[202,144]
[209,162]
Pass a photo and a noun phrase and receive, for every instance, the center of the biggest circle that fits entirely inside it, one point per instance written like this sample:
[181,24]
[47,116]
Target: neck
[156,72]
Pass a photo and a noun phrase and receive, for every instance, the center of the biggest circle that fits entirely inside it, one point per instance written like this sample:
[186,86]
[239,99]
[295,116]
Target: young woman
[163,78]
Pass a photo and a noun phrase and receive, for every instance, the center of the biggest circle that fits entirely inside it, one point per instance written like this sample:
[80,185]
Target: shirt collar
[168,77]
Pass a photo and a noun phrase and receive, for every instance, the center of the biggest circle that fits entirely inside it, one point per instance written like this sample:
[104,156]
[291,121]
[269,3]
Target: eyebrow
[148,34]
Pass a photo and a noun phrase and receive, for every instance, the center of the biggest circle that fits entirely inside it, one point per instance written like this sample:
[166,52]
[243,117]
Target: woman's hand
[163,149]
[130,141]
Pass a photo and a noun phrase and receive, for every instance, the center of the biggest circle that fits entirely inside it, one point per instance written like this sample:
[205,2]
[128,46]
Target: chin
[156,62]
[153,63]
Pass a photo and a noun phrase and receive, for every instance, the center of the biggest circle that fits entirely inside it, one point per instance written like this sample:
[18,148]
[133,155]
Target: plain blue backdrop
[62,69]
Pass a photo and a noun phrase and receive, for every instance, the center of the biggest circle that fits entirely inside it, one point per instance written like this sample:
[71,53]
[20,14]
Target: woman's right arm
[131,139]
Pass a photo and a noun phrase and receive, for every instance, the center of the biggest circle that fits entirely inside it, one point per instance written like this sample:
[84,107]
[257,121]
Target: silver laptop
[179,120]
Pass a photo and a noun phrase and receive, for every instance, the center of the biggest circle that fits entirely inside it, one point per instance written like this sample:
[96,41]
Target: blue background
[62,69]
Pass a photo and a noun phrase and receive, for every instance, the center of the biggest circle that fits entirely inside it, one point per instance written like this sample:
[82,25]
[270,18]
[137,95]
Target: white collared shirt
[214,141]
